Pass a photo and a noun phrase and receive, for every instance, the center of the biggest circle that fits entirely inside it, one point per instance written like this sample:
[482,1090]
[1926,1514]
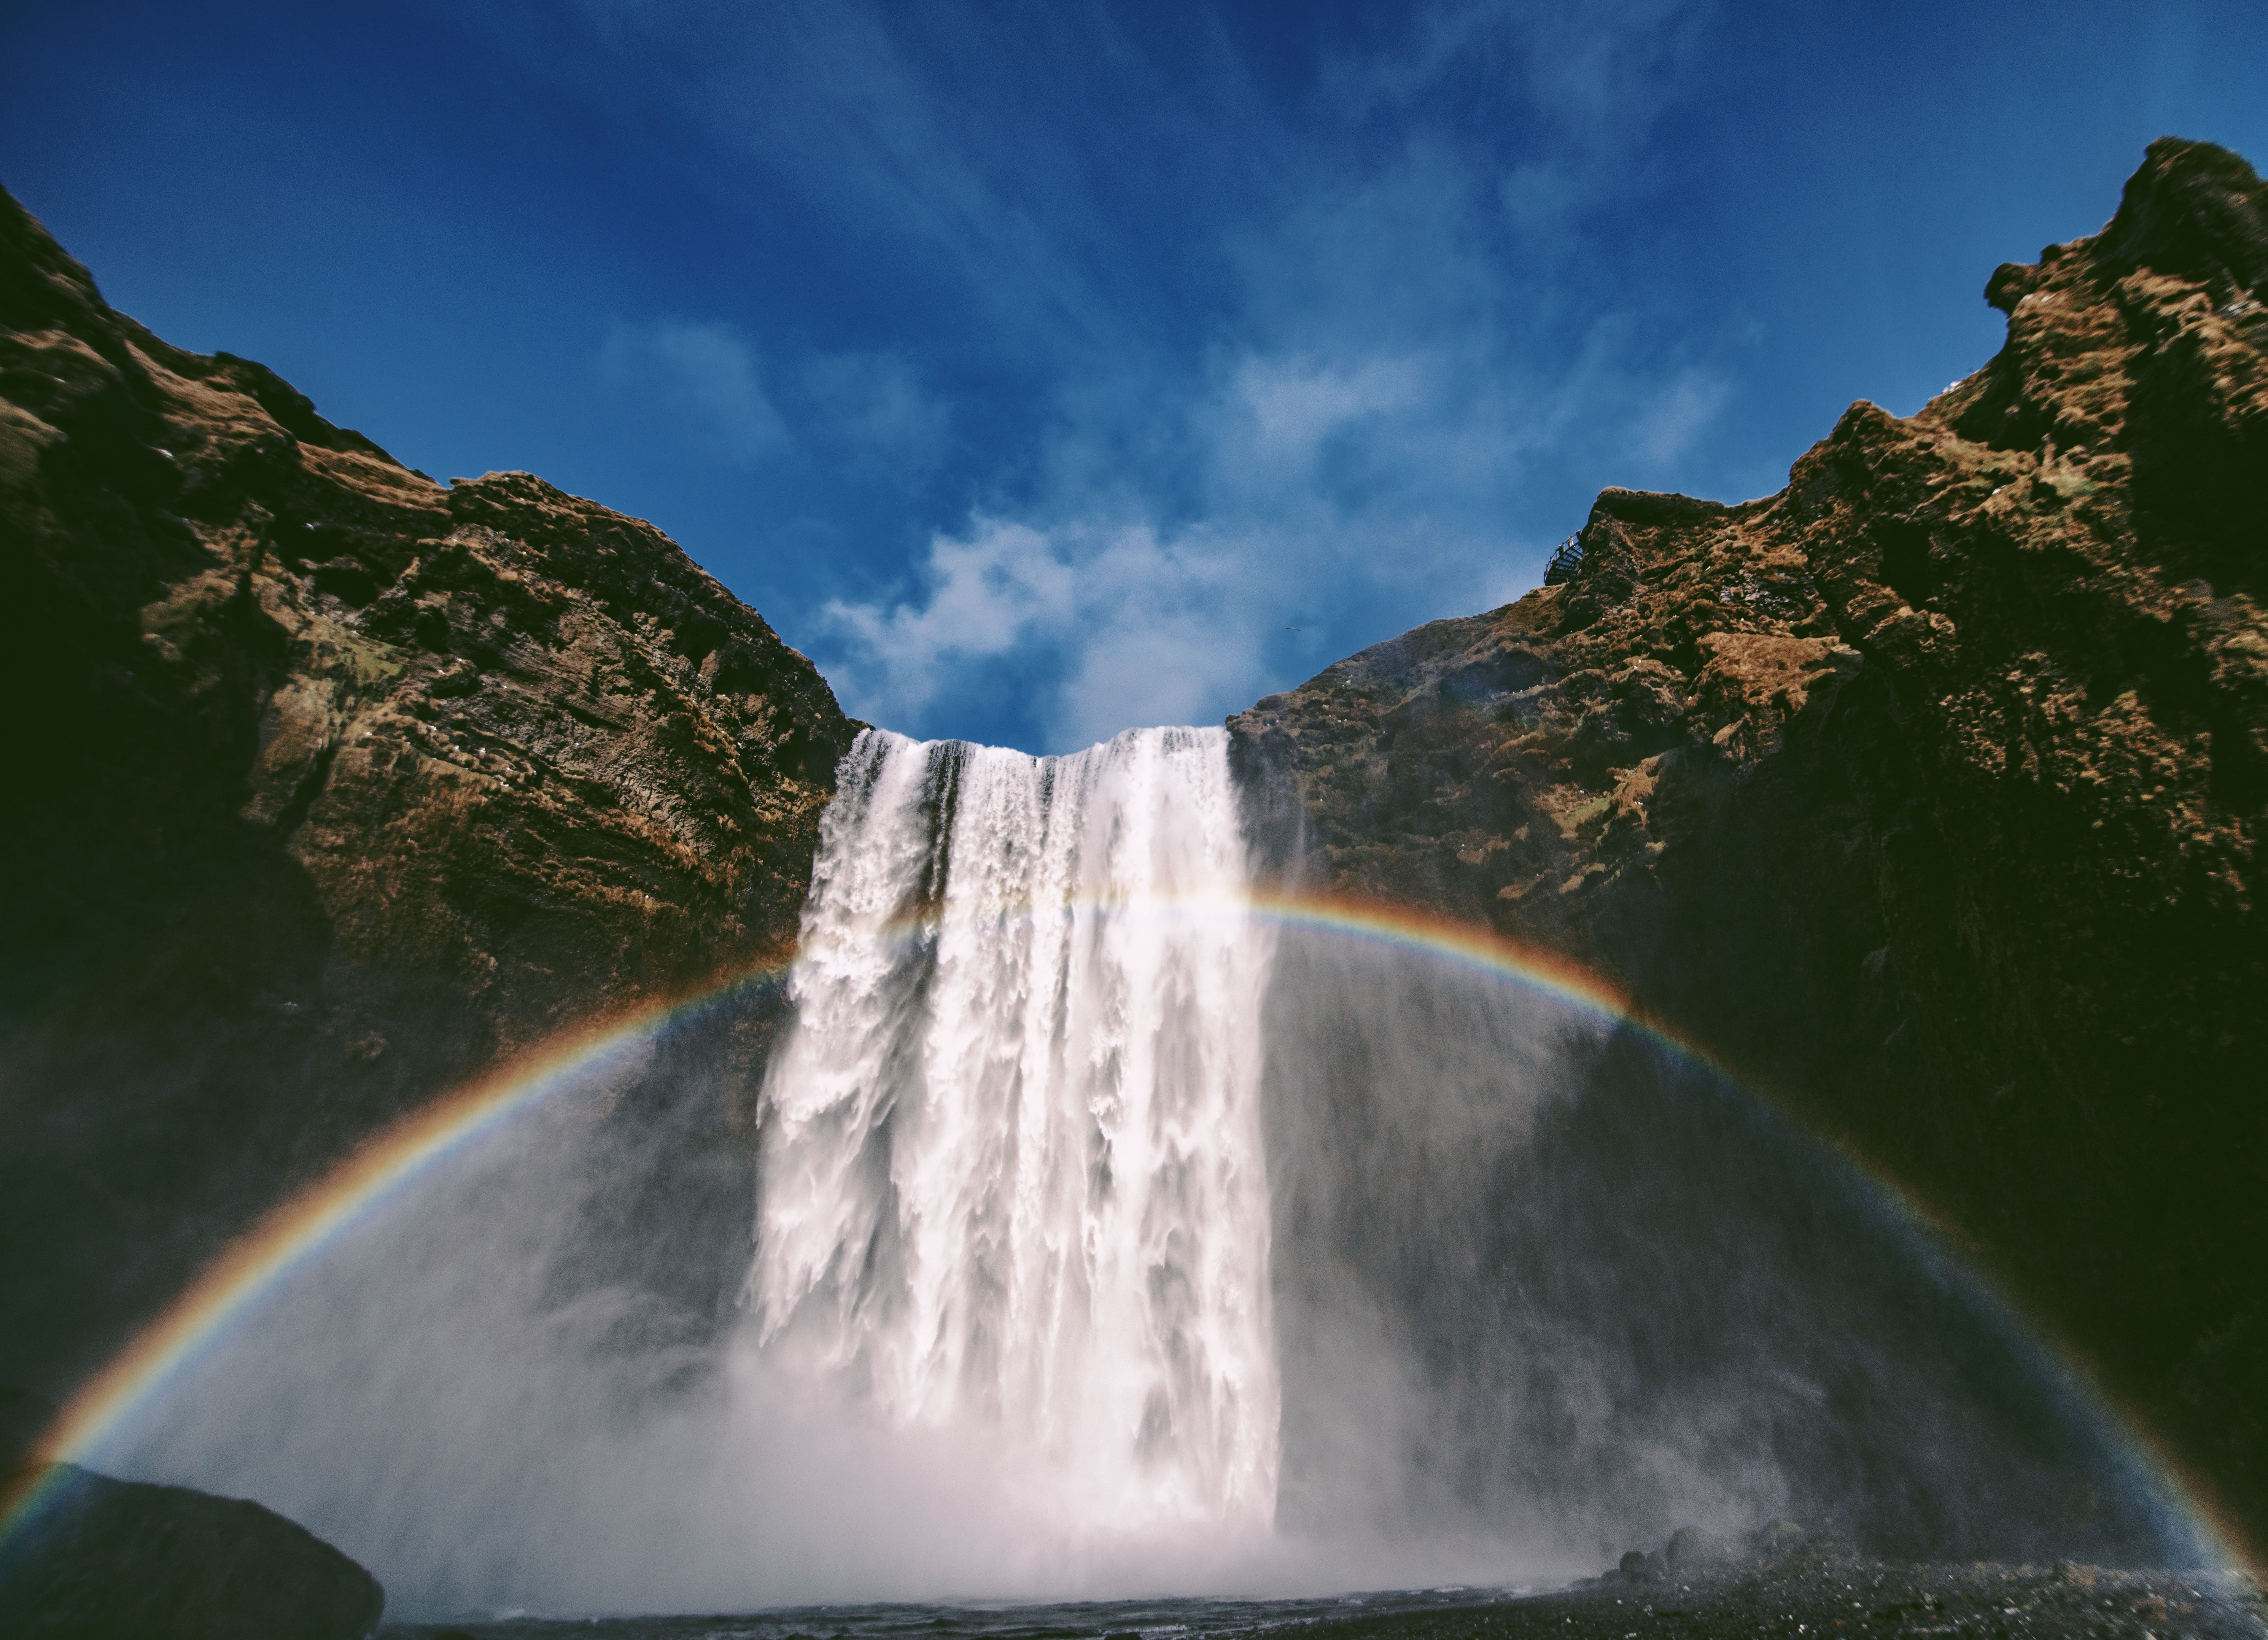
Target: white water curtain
[1013,1177]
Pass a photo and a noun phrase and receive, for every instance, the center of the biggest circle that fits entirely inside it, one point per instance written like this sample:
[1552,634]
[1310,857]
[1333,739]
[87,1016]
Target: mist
[1537,1288]
[1549,1290]
[495,1415]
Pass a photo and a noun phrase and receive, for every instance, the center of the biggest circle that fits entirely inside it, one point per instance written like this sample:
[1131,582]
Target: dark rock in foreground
[118,1560]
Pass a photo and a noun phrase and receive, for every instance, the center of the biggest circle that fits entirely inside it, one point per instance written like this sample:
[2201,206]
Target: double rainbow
[391,1160]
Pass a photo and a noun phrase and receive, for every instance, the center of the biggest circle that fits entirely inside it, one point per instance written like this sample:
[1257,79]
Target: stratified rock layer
[327,785]
[1927,791]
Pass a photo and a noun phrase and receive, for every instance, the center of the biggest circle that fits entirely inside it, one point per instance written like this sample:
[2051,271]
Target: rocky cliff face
[1927,791]
[327,784]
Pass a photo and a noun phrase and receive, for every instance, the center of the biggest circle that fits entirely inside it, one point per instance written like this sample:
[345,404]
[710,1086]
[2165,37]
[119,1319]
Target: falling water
[1012,1178]
[1541,1292]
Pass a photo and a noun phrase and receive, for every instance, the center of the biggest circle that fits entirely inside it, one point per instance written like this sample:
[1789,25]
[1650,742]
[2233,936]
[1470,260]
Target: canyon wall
[1924,793]
[328,784]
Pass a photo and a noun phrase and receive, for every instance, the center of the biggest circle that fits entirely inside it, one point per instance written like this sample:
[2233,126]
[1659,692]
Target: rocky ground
[1803,1587]
[1927,792]
[1783,1581]
[1834,1596]
[328,784]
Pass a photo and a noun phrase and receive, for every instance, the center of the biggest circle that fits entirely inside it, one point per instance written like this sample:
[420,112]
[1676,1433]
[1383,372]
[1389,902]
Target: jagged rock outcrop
[1928,791]
[100,1557]
[329,784]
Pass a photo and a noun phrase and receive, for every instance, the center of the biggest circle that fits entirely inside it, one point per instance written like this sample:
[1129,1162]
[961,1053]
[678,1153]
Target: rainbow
[391,1160]
[381,1168]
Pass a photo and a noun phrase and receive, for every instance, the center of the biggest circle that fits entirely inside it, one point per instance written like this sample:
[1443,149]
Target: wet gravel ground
[1815,1593]
[1852,1598]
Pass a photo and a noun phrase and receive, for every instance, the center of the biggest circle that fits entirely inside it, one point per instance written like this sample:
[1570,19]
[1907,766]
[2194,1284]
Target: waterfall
[1012,1177]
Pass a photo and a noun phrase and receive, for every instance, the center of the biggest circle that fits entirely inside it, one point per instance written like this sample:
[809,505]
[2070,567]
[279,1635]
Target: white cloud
[703,374]
[1392,373]
[875,408]
[1123,626]
[1356,456]
[1177,667]
[1666,428]
[1595,69]
[985,594]
[1290,406]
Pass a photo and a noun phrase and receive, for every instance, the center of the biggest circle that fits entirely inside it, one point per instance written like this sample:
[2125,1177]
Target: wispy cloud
[877,412]
[1288,410]
[1667,427]
[913,127]
[702,374]
[1220,364]
[983,594]
[1121,625]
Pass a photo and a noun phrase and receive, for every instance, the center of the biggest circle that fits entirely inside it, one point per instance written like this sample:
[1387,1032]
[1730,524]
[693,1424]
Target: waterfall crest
[1012,1177]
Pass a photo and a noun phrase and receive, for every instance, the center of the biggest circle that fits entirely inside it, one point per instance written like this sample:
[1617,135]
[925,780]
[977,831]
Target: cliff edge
[329,784]
[1927,791]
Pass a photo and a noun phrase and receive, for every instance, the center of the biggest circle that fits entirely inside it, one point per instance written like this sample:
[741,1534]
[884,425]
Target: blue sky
[1036,368]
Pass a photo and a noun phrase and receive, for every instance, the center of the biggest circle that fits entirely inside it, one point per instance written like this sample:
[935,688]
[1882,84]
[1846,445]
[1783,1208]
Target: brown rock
[329,784]
[1929,790]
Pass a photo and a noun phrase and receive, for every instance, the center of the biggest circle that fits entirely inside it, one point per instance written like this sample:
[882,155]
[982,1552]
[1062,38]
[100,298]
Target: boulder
[98,1557]
[1638,1566]
[1692,1548]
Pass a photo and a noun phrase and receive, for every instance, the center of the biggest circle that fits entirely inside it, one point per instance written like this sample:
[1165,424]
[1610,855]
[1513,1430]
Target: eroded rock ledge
[1926,790]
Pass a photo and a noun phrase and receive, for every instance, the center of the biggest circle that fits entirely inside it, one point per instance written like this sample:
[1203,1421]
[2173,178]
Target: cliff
[1925,791]
[327,785]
